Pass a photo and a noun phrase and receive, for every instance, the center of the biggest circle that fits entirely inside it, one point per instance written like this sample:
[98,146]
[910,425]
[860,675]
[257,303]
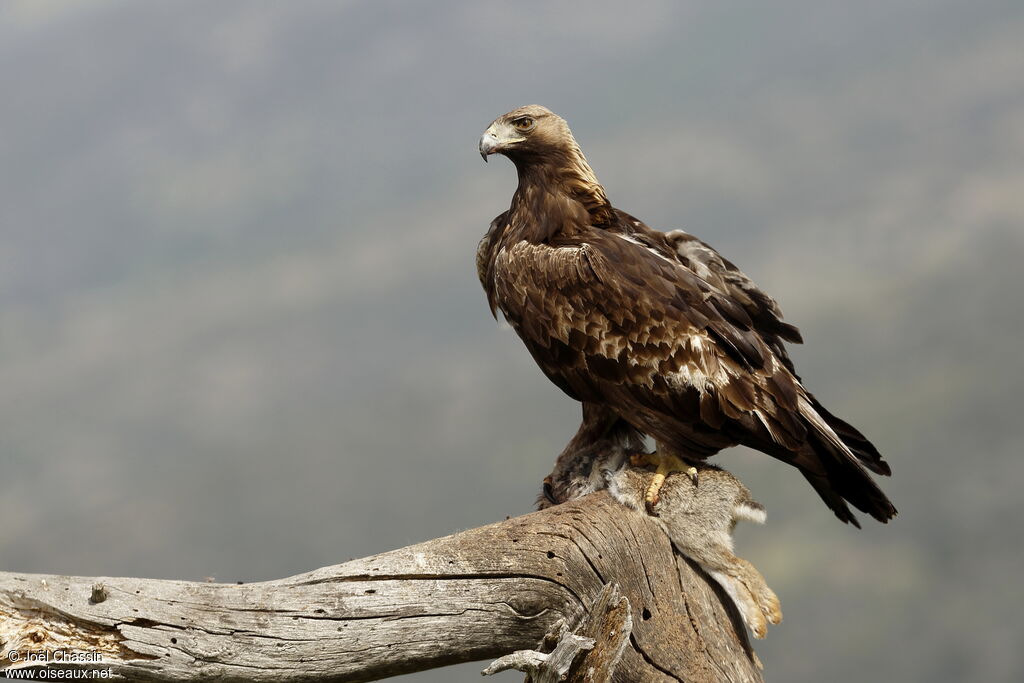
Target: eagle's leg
[665,463]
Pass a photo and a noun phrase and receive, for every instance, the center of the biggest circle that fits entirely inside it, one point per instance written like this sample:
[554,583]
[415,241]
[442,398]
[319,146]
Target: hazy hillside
[242,334]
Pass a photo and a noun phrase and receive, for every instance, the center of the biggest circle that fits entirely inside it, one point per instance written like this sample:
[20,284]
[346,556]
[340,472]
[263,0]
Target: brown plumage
[653,332]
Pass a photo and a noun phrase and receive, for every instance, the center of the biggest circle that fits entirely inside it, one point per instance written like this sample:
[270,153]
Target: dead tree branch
[601,579]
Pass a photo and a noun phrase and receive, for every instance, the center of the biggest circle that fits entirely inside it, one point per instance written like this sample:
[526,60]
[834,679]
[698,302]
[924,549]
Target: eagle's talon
[653,494]
[666,464]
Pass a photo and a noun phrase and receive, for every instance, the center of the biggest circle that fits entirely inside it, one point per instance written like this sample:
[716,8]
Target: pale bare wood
[476,595]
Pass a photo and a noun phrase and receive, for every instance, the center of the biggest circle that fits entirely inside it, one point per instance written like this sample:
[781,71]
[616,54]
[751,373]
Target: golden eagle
[655,333]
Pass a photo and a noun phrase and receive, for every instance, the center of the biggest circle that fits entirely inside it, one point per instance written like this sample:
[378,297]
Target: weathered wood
[476,595]
[591,653]
[546,667]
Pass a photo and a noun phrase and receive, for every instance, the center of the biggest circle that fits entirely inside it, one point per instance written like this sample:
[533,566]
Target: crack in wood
[647,658]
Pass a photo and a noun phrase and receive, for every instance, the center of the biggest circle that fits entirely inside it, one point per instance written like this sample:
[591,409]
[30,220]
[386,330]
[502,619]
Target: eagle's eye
[524,124]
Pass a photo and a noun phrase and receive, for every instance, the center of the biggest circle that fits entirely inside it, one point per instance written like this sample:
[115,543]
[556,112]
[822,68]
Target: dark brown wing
[485,257]
[723,276]
[611,321]
[766,315]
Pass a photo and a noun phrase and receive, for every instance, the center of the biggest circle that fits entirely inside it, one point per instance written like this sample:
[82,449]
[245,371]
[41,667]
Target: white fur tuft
[750,513]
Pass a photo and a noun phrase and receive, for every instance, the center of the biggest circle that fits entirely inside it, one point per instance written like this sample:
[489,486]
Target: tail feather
[845,480]
[839,454]
[858,444]
[834,501]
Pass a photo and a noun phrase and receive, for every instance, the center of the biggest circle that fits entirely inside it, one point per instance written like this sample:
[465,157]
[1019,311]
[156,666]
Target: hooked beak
[498,138]
[488,144]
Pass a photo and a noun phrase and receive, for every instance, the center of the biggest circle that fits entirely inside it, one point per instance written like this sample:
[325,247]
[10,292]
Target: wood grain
[476,595]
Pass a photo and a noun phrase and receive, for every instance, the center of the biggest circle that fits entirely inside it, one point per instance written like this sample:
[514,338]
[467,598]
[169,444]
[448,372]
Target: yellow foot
[666,465]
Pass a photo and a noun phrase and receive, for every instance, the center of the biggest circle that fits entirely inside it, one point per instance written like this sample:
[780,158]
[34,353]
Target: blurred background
[242,334]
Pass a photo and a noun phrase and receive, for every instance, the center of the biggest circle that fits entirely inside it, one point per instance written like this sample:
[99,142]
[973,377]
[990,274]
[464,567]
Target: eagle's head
[546,155]
[527,133]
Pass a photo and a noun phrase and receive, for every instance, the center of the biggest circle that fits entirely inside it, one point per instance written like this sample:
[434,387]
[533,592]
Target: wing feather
[612,321]
[679,343]
[743,301]
[630,318]
[485,258]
